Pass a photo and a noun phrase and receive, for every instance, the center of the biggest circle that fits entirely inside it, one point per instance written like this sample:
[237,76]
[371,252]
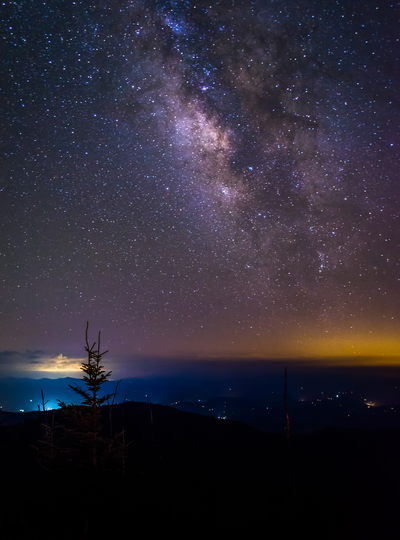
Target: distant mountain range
[265,412]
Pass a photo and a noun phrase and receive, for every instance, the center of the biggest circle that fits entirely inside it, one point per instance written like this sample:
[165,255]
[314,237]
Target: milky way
[200,178]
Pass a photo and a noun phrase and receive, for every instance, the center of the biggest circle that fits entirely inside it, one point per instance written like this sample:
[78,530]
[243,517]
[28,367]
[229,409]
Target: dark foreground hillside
[194,476]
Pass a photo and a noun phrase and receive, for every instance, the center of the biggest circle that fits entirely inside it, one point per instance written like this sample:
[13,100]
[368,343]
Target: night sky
[199,179]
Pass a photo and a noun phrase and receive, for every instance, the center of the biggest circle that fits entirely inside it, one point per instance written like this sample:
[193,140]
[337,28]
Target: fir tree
[94,376]
[89,448]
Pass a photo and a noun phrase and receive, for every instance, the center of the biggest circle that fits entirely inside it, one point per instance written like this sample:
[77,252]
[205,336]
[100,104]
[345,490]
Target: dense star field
[200,178]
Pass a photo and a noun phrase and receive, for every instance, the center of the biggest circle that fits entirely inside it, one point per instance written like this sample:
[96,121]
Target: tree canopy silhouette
[89,448]
[94,376]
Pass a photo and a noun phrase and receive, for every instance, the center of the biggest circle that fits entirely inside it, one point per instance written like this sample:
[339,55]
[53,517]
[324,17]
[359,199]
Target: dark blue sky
[199,180]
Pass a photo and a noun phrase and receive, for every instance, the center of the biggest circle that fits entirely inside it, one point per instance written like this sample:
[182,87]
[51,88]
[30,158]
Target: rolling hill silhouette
[195,475]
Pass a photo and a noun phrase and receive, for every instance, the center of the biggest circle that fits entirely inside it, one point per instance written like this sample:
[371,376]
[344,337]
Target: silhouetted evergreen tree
[48,452]
[86,446]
